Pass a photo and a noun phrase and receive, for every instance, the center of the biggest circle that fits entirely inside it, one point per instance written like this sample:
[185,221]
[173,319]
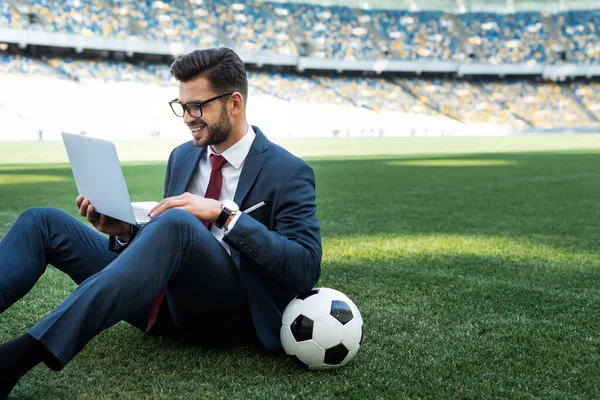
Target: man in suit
[200,270]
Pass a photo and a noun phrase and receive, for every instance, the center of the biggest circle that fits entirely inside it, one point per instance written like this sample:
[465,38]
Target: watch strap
[222,218]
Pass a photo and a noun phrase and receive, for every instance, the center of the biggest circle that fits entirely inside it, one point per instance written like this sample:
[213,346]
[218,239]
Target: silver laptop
[99,179]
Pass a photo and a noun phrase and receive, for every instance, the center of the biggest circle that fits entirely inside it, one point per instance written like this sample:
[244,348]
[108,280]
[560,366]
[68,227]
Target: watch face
[231,206]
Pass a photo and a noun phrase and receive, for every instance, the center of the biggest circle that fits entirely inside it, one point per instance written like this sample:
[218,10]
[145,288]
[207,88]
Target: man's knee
[175,218]
[41,215]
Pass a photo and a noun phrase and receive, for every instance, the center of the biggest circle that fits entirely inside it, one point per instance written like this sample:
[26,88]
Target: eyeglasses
[193,108]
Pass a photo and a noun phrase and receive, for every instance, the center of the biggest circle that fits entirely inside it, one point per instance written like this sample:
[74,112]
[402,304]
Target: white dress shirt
[231,171]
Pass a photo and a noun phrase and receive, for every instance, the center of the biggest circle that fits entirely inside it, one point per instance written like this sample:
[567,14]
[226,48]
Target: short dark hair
[222,67]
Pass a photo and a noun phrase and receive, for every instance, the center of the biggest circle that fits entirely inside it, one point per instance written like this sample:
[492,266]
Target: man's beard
[218,132]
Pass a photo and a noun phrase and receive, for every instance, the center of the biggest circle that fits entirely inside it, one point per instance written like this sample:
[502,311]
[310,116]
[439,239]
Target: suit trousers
[206,302]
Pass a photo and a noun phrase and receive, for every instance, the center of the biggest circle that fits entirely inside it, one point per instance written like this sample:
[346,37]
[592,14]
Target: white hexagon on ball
[333,294]
[316,306]
[287,340]
[328,331]
[310,353]
[352,334]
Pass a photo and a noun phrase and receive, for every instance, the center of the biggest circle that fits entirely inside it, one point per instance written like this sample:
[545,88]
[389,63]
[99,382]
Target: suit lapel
[189,167]
[252,166]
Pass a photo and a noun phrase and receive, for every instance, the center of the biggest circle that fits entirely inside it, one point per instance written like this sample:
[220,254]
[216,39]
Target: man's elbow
[312,274]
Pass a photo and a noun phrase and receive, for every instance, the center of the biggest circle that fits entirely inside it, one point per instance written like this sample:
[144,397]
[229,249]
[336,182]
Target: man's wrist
[217,211]
[228,209]
[229,219]
[126,235]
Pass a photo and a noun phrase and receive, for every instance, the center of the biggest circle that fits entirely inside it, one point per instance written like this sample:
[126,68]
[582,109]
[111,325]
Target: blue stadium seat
[415,36]
[334,31]
[580,28]
[510,38]
[9,18]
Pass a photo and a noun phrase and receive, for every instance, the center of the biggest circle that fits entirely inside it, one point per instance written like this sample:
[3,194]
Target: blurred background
[352,68]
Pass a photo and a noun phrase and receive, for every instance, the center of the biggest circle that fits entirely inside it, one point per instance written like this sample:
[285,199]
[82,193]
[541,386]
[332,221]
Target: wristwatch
[228,208]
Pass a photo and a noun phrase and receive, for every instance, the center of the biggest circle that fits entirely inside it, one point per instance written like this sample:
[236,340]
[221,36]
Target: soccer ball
[323,329]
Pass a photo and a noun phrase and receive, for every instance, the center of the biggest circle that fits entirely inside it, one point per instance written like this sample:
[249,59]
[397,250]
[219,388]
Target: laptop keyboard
[141,214]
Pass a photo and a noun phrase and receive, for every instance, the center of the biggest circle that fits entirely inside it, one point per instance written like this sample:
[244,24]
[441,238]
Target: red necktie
[213,191]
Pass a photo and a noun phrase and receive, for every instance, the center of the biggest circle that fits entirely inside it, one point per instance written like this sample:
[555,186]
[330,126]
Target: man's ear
[237,102]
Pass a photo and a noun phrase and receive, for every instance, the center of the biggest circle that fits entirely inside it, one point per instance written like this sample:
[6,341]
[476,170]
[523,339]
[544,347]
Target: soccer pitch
[475,263]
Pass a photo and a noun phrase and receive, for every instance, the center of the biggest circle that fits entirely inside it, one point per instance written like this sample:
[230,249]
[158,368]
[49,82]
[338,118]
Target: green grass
[475,263]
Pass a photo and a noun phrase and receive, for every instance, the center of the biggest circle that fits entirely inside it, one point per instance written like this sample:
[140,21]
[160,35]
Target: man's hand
[204,209]
[102,223]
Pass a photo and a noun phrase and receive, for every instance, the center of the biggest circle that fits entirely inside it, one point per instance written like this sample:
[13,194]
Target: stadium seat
[510,38]
[250,27]
[427,35]
[462,101]
[589,95]
[580,29]
[333,31]
[544,105]
[9,18]
[81,17]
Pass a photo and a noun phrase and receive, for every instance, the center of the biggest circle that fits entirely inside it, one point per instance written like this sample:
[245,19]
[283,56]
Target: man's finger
[101,222]
[170,203]
[92,216]
[78,201]
[166,204]
[83,207]
[158,205]
[162,203]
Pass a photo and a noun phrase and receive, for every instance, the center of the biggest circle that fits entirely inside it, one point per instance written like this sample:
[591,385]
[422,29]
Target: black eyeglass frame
[198,104]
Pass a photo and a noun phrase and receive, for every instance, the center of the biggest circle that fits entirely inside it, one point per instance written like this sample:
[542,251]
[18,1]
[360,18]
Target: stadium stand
[376,94]
[296,89]
[84,70]
[335,32]
[99,98]
[510,38]
[10,18]
[589,94]
[166,21]
[580,28]
[427,35]
[25,66]
[462,101]
[84,18]
[297,104]
[18,77]
[249,26]
[544,105]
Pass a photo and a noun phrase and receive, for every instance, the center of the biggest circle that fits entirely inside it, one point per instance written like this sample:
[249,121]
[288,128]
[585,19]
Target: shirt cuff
[232,223]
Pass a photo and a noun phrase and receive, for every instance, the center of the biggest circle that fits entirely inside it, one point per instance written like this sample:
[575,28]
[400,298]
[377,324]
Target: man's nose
[187,118]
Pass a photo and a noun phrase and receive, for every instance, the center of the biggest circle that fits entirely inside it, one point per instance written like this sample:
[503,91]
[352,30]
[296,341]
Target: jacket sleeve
[113,244]
[116,247]
[290,254]
[168,174]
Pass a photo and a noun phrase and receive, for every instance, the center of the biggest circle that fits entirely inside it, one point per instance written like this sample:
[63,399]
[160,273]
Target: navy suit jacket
[276,247]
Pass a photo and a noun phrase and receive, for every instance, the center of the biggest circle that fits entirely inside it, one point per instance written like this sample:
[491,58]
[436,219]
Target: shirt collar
[236,154]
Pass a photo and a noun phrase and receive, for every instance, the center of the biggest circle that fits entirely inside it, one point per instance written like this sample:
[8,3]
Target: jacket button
[254,253]
[241,241]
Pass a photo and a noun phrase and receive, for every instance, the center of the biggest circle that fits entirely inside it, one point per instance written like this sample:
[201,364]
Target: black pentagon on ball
[341,311]
[336,354]
[302,328]
[304,296]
